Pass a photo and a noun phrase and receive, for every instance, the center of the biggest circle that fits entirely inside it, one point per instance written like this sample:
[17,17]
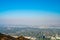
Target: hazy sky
[30,12]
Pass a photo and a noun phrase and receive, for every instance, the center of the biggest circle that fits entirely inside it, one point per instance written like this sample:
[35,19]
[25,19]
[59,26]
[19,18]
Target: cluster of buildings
[57,37]
[54,37]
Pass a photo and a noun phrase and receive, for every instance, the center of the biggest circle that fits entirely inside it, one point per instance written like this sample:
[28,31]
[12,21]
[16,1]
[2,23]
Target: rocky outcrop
[8,37]
[22,38]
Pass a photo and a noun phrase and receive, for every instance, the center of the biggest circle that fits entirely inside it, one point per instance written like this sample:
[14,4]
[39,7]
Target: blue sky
[48,5]
[33,12]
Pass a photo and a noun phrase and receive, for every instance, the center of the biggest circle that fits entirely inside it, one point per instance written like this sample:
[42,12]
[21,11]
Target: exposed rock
[22,38]
[8,37]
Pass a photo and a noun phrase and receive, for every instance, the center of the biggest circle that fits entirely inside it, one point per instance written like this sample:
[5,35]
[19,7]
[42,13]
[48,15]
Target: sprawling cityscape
[30,32]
